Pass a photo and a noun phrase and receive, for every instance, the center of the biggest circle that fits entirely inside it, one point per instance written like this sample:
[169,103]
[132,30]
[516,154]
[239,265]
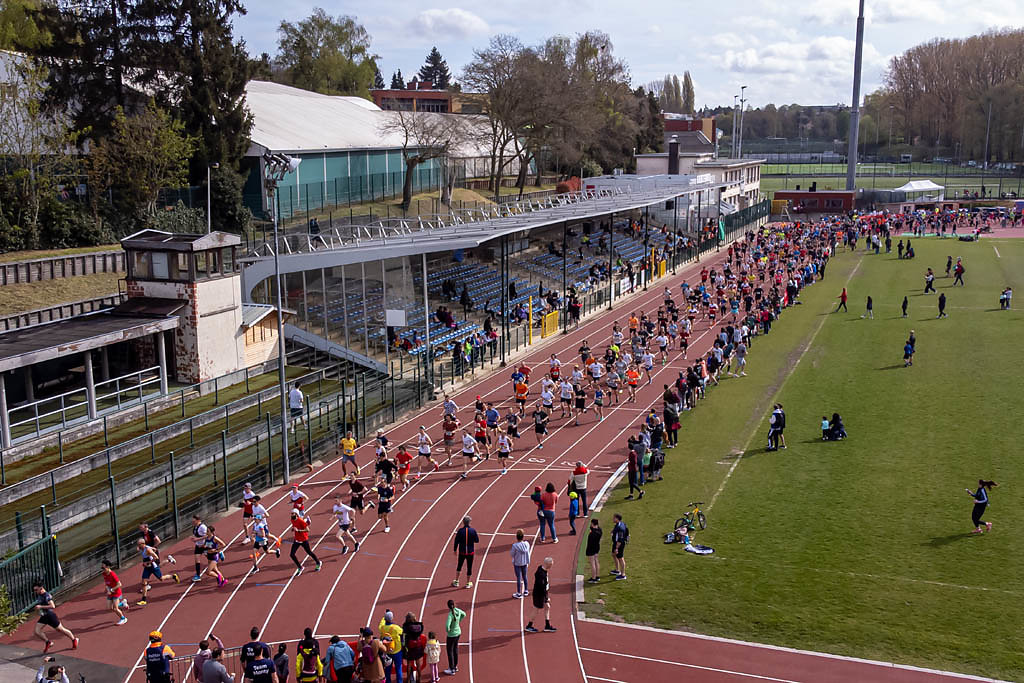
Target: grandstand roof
[295,121]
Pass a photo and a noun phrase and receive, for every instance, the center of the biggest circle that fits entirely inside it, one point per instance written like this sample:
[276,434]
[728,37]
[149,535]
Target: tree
[424,136]
[688,96]
[144,154]
[19,29]
[261,68]
[378,80]
[397,82]
[435,70]
[329,55]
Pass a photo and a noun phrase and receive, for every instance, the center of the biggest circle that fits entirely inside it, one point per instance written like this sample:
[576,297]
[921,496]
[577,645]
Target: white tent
[922,186]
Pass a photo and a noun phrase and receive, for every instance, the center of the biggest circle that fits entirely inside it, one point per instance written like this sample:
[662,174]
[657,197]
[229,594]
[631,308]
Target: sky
[787,51]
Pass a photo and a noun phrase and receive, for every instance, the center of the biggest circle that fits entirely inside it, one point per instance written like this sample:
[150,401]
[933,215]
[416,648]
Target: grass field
[860,547]
[769,184]
[29,296]
[881,168]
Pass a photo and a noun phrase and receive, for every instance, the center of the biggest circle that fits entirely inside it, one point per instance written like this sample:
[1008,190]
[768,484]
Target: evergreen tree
[378,80]
[677,95]
[436,71]
[397,83]
[688,95]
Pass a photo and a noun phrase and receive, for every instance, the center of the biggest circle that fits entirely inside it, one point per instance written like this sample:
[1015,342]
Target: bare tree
[424,136]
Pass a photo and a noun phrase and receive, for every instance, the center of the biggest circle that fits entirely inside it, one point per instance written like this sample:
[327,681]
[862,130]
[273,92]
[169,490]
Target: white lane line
[693,666]
[997,251]
[407,578]
[736,461]
[601,678]
[780,648]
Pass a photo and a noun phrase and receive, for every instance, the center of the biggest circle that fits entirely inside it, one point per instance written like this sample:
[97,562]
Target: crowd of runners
[732,302]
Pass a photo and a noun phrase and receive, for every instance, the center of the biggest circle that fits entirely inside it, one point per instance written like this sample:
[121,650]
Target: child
[433,655]
[574,511]
[824,428]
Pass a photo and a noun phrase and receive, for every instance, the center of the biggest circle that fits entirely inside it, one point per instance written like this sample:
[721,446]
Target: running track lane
[411,568]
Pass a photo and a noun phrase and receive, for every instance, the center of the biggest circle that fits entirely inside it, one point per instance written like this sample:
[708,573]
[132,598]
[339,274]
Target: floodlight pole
[858,58]
[743,109]
[282,380]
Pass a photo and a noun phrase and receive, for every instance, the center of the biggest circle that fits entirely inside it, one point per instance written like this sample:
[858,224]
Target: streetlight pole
[209,220]
[275,167]
[888,143]
[735,105]
[743,109]
[858,59]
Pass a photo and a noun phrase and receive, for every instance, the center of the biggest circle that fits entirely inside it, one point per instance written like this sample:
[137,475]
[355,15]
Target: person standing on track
[466,539]
[594,549]
[453,628]
[520,562]
[980,503]
[300,527]
[348,454]
[423,444]
[541,599]
[548,505]
[115,596]
[48,618]
[578,484]
[150,567]
[344,513]
[620,537]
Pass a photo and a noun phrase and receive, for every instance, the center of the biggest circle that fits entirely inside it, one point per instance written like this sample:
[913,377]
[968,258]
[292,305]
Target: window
[159,261]
[200,260]
[140,265]
[227,260]
[179,266]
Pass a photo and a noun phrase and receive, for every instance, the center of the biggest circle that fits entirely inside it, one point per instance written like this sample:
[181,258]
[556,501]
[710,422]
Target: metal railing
[35,562]
[57,267]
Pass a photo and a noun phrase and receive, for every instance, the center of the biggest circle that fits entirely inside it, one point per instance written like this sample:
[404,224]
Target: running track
[411,568]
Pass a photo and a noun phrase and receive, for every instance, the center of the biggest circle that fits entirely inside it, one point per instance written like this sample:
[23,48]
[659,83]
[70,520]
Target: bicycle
[693,515]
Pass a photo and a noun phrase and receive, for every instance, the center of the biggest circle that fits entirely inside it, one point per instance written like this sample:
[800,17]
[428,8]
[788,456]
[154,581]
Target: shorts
[263,545]
[49,619]
[348,458]
[468,455]
[357,502]
[492,425]
[152,571]
[404,469]
[449,443]
[344,527]
[565,400]
[618,549]
[663,348]
[383,507]
[539,599]
[247,515]
[503,454]
[513,431]
[481,440]
[547,407]
[581,404]
[213,557]
[296,412]
[424,454]
[521,401]
[540,430]
[198,550]
[598,402]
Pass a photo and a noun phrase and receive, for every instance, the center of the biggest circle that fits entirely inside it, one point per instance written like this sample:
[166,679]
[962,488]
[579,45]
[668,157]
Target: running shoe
[503,470]
[469,584]
[620,577]
[455,583]
[254,570]
[517,596]
[356,548]
[195,578]
[463,476]
[540,445]
[549,629]
[554,540]
[318,566]
[371,505]
[221,581]
[344,550]
[298,571]
[176,578]
[246,540]
[74,643]
[46,648]
[170,558]
[142,603]
[122,621]
[531,629]
[436,467]
[277,551]
[387,530]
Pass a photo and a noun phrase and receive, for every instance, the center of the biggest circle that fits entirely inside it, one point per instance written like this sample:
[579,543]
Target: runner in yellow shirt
[348,453]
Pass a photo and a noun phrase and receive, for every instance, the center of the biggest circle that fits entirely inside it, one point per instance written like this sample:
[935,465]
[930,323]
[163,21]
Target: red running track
[411,568]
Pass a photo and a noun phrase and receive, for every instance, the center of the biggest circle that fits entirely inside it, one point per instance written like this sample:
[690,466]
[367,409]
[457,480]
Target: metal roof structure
[457,230]
[159,240]
[38,343]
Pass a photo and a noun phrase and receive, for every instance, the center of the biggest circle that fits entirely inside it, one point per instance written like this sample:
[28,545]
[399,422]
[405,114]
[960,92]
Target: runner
[348,453]
[522,391]
[480,434]
[357,501]
[153,541]
[423,444]
[261,538]
[512,420]
[581,402]
[599,402]
[662,341]
[469,451]
[385,467]
[596,369]
[199,543]
[565,392]
[404,460]
[298,499]
[115,598]
[213,548]
[344,514]
[450,427]
[493,417]
[632,379]
[540,424]
[554,367]
[150,567]
[300,525]
[584,351]
[246,504]
[504,450]
[48,617]
[449,407]
[385,493]
[613,386]
[648,363]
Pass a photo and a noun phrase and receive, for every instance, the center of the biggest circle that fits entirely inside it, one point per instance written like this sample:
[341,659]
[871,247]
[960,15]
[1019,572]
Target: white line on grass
[736,462]
[997,251]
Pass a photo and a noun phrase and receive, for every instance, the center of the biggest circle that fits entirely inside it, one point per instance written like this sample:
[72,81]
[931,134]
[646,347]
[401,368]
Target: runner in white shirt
[647,359]
[577,375]
[555,366]
[547,383]
[449,406]
[662,341]
[295,403]
[344,514]
[547,399]
[565,393]
[298,500]
[423,444]
[468,449]
[504,450]
[596,370]
[617,337]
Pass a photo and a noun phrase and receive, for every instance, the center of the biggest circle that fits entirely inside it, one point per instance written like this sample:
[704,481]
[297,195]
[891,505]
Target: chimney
[426,85]
[673,158]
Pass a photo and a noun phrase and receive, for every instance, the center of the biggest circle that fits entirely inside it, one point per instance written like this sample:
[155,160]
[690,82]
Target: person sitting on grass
[836,429]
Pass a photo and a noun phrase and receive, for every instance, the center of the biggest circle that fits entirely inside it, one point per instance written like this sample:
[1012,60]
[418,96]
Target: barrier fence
[36,562]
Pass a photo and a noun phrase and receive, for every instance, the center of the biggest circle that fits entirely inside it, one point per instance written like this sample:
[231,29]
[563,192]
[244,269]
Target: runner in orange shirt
[632,379]
[404,458]
[522,391]
[634,324]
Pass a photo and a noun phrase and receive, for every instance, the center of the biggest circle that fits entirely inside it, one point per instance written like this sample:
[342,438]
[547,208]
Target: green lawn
[867,168]
[769,184]
[860,547]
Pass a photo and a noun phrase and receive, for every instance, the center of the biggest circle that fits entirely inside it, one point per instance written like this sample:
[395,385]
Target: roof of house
[171,241]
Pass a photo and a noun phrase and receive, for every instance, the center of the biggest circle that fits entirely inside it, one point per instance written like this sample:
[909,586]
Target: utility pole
[858,59]
[743,109]
[735,104]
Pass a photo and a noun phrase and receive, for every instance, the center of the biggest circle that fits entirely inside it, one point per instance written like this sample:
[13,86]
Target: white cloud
[448,24]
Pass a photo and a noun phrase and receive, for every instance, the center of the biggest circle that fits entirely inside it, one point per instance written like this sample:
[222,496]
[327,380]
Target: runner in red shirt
[403,457]
[300,525]
[115,599]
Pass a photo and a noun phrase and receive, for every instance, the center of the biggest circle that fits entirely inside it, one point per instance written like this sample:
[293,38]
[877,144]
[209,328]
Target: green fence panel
[37,562]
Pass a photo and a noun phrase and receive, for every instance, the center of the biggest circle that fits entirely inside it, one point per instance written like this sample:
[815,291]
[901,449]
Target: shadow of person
[940,541]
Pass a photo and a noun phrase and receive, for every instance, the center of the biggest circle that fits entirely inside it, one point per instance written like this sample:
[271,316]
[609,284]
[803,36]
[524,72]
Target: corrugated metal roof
[253,313]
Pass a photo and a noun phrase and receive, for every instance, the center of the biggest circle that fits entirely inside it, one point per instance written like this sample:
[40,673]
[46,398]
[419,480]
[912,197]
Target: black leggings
[305,546]
[468,559]
[452,647]
[977,512]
